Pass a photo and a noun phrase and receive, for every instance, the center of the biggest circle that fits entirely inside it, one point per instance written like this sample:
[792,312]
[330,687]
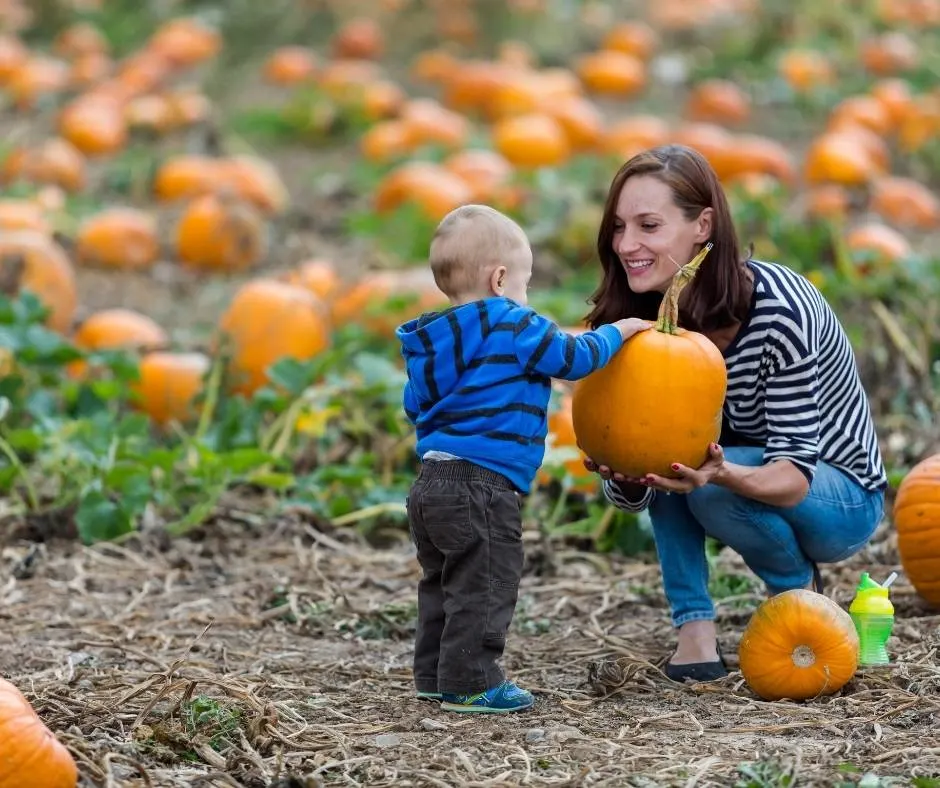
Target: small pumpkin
[182,177]
[123,238]
[219,232]
[836,157]
[54,162]
[633,37]
[877,244]
[905,203]
[31,757]
[532,140]
[429,185]
[185,41]
[268,320]
[290,65]
[718,101]
[316,275]
[95,125]
[798,645]
[110,329]
[916,517]
[674,381]
[359,38]
[34,262]
[609,71]
[168,385]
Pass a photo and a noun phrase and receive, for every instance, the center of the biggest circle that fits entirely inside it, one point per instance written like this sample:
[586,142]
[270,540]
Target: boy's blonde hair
[468,241]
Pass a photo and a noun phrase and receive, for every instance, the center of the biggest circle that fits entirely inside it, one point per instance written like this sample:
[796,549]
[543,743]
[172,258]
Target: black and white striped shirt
[793,385]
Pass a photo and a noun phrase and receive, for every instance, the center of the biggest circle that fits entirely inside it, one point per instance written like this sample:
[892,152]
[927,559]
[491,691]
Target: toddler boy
[479,381]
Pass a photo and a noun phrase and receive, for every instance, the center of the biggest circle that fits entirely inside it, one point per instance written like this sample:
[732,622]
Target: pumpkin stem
[668,319]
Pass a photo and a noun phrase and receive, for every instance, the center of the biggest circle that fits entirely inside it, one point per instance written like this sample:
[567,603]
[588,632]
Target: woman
[798,478]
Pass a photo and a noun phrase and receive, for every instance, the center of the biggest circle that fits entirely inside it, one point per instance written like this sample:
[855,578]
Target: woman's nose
[624,243]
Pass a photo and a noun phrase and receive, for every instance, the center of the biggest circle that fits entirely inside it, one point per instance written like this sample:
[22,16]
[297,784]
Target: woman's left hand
[689,478]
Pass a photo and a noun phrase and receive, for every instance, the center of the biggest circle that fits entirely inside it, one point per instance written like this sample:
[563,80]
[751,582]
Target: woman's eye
[648,227]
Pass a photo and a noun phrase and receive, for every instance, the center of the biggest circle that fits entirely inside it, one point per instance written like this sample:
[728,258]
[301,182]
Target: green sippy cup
[873,614]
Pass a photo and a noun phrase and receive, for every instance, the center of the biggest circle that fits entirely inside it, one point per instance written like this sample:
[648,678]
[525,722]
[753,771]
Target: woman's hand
[606,473]
[690,478]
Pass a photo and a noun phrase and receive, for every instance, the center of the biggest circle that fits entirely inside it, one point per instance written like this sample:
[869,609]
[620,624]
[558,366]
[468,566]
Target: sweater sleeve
[410,402]
[614,493]
[791,406]
[543,348]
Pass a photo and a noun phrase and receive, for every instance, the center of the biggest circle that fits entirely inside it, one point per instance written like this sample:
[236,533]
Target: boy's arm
[543,348]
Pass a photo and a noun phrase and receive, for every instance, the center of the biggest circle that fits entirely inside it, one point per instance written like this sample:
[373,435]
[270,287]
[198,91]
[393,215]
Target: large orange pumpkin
[268,320]
[115,328]
[798,645]
[658,401]
[917,520]
[32,261]
[30,756]
[168,385]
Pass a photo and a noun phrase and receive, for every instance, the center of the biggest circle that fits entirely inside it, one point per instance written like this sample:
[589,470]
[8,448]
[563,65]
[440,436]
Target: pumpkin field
[213,215]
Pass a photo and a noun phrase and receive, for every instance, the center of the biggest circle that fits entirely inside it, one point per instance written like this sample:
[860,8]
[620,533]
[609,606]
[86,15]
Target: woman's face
[652,237]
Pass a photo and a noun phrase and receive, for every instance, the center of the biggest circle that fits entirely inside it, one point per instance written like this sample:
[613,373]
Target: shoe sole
[435,696]
[456,707]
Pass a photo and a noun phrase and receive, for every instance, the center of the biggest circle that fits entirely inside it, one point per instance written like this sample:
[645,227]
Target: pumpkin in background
[658,401]
[268,320]
[561,429]
[798,645]
[123,238]
[183,177]
[917,520]
[116,328]
[316,275]
[32,261]
[384,299]
[94,124]
[220,233]
[53,162]
[23,215]
[30,755]
[168,385]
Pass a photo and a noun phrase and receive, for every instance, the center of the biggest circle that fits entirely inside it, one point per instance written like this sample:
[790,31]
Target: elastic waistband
[463,471]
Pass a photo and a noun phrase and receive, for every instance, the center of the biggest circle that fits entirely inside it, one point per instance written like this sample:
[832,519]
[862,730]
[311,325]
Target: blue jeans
[780,545]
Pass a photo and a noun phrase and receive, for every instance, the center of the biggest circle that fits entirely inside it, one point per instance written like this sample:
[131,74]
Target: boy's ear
[498,279]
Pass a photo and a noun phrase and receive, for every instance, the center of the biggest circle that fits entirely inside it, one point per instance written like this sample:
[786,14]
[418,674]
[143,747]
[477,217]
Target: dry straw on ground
[276,655]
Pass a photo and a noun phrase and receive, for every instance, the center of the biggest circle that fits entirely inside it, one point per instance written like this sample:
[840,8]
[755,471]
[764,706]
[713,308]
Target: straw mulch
[268,653]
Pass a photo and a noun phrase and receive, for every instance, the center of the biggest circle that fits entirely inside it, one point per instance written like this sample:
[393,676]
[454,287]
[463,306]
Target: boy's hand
[632,325]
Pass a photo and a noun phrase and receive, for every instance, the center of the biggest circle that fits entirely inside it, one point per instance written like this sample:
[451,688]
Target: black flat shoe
[697,671]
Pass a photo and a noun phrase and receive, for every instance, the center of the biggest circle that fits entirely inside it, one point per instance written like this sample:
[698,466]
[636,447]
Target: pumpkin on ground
[122,238]
[220,233]
[168,385]
[30,755]
[266,321]
[666,388]
[34,262]
[917,520]
[116,328]
[798,645]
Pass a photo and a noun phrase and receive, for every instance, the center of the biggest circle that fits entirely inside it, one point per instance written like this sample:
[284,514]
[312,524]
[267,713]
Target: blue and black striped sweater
[479,381]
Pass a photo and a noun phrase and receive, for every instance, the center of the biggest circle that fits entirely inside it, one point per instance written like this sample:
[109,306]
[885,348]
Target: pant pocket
[506,561]
[446,518]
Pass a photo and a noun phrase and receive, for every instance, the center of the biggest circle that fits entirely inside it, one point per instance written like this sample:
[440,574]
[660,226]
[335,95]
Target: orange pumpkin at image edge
[658,401]
[32,756]
[916,517]
[798,645]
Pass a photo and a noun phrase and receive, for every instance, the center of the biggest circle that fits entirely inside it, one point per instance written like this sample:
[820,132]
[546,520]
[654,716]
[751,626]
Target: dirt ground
[263,652]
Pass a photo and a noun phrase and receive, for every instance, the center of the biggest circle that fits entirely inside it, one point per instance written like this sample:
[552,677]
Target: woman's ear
[498,279]
[705,223]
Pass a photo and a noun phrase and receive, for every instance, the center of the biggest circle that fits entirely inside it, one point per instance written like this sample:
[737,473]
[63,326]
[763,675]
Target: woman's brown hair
[720,294]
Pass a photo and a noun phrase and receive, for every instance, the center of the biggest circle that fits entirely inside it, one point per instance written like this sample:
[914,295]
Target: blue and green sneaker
[505,698]
[420,695]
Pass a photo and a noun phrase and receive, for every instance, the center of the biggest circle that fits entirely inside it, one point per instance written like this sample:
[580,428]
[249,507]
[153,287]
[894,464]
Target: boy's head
[477,252]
